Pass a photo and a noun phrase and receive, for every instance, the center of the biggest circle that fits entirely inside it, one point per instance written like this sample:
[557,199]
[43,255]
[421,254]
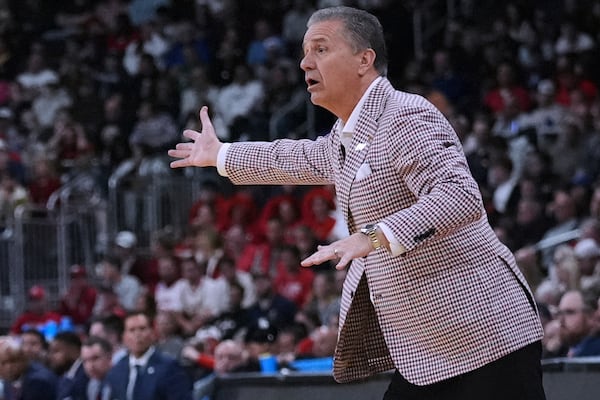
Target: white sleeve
[221,159]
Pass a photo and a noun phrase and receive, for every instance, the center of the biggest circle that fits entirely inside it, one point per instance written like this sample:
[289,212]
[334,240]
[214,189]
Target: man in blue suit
[146,373]
[23,379]
[64,359]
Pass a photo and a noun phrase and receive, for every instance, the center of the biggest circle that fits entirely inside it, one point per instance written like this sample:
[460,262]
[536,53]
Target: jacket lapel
[366,128]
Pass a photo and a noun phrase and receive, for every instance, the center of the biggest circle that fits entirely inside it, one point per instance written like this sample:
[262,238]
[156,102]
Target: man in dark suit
[24,379]
[146,373]
[430,291]
[64,359]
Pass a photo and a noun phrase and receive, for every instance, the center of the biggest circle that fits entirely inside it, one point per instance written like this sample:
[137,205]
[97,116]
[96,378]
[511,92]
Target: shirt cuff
[221,159]
[396,248]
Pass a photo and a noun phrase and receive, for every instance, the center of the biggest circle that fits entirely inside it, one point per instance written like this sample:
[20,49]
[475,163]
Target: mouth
[311,83]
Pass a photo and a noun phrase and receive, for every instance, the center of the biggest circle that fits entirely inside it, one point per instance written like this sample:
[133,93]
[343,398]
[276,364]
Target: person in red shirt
[292,281]
[37,314]
[78,302]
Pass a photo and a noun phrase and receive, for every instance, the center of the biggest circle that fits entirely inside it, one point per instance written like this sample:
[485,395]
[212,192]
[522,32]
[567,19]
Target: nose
[306,63]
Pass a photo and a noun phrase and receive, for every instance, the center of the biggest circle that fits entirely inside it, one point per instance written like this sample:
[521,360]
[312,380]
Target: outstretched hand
[203,149]
[344,251]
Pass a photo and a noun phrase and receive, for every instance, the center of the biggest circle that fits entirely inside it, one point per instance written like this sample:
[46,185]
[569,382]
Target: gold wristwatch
[371,231]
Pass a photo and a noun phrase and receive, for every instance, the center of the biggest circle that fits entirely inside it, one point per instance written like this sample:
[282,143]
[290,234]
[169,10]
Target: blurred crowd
[102,87]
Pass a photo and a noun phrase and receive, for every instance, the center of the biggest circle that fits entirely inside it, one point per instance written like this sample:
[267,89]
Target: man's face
[331,69]
[32,346]
[138,335]
[12,364]
[227,358]
[60,357]
[574,318]
[95,361]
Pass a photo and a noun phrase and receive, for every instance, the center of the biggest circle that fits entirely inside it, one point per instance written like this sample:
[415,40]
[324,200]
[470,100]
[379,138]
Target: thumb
[207,125]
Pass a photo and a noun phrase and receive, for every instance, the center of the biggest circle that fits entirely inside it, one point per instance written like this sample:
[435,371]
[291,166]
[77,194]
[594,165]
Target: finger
[191,134]
[342,264]
[184,146]
[179,163]
[205,119]
[178,153]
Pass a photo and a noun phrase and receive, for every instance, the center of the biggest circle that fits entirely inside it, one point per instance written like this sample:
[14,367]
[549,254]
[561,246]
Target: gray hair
[364,31]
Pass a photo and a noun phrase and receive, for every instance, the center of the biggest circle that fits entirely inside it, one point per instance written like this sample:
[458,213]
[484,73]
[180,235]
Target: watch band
[371,231]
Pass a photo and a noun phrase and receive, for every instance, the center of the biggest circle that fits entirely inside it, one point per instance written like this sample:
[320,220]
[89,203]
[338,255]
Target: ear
[367,60]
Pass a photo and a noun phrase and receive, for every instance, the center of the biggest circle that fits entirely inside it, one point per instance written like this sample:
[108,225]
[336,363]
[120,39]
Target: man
[34,345]
[126,287]
[64,359]
[110,328]
[23,379]
[79,299]
[37,314]
[146,373]
[576,313]
[430,290]
[96,356]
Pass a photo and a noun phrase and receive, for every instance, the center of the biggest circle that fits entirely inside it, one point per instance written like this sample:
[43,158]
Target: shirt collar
[73,370]
[143,360]
[350,125]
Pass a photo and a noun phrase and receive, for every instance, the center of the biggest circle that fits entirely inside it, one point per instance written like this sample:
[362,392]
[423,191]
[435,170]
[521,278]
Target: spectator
[110,328]
[146,373]
[168,338]
[324,300]
[34,345]
[24,379]
[127,250]
[270,306]
[126,287]
[292,281]
[169,289]
[587,252]
[96,359]
[576,314]
[37,314]
[201,297]
[80,297]
[12,195]
[43,181]
[64,359]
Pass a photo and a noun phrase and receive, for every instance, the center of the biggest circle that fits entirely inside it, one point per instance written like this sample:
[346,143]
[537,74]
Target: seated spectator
[230,357]
[324,300]
[126,248]
[126,287]
[107,303]
[201,298]
[37,314]
[34,345]
[80,297]
[587,253]
[146,373]
[96,359]
[270,306]
[576,314]
[169,288]
[262,256]
[168,338]
[233,323]
[110,328]
[234,276]
[292,280]
[64,359]
[24,379]
[44,181]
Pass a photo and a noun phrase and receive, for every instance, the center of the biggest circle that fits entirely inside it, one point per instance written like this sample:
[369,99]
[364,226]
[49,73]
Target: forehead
[93,350]
[136,321]
[323,31]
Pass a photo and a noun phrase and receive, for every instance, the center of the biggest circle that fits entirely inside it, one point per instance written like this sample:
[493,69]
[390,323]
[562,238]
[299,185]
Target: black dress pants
[516,376]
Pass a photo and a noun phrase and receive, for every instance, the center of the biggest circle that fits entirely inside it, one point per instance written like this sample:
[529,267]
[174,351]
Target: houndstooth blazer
[455,300]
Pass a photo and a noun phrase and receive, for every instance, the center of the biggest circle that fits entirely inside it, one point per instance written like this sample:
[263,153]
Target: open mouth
[311,82]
